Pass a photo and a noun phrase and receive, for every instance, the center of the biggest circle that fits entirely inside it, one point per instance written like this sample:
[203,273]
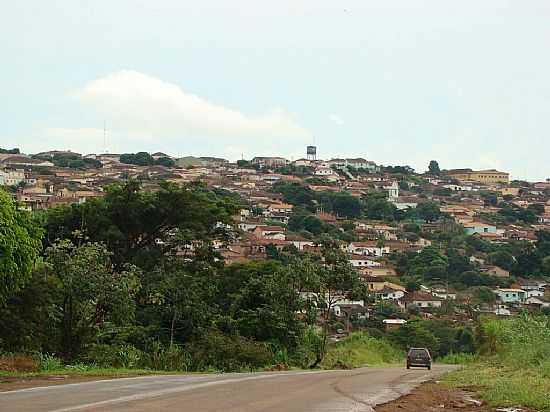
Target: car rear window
[418,352]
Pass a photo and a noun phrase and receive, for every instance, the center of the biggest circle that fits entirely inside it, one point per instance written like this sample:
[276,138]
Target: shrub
[215,350]
[114,356]
[49,363]
[171,358]
[360,349]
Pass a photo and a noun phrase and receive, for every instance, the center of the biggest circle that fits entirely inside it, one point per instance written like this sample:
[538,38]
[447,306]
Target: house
[535,294]
[302,162]
[511,295]
[404,202]
[538,302]
[496,271]
[479,227]
[393,190]
[283,208]
[389,293]
[360,261]
[269,161]
[482,176]
[422,300]
[299,242]
[348,310]
[271,232]
[382,270]
[376,284]
[533,285]
[368,248]
[391,324]
[11,177]
[324,171]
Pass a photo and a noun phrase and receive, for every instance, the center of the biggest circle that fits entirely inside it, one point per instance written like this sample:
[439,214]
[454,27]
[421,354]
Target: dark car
[419,357]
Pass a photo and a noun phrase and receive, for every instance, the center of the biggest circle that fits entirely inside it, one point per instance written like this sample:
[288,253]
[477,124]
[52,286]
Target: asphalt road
[319,391]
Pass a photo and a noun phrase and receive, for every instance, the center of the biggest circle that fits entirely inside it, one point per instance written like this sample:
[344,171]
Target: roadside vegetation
[513,366]
[360,349]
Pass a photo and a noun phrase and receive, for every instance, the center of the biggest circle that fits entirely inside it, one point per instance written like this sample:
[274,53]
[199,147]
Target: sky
[466,83]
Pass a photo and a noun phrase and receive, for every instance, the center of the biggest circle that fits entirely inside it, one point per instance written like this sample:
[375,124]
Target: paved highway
[320,391]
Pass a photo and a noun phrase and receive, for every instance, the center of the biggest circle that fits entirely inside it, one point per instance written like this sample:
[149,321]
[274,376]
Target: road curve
[320,391]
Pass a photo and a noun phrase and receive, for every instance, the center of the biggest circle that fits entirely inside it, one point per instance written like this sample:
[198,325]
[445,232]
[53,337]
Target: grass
[515,367]
[88,371]
[360,349]
[458,359]
[504,386]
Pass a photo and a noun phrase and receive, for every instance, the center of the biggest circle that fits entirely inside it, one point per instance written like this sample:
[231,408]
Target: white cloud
[146,105]
[336,119]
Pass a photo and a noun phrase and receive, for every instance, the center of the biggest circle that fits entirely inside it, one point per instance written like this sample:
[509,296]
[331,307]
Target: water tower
[311,153]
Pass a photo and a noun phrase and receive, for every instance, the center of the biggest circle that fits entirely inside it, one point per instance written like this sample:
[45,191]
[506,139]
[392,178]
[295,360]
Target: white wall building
[11,177]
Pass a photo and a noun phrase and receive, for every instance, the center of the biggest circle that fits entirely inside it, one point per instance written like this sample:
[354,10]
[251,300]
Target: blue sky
[397,82]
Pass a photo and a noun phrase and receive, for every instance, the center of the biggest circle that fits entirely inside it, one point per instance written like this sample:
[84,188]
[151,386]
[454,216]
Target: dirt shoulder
[434,397]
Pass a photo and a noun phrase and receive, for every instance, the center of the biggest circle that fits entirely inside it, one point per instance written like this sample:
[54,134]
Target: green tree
[429,264]
[484,295]
[501,258]
[335,280]
[415,335]
[380,209]
[183,291]
[19,247]
[165,161]
[433,168]
[142,227]
[428,211]
[91,293]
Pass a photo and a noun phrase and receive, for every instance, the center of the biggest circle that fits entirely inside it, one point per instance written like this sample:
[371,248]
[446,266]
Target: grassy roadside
[360,349]
[504,386]
[514,366]
[76,372]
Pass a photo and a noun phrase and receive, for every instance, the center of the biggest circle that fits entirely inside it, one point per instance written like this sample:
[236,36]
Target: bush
[171,358]
[360,349]
[217,351]
[458,358]
[49,363]
[115,356]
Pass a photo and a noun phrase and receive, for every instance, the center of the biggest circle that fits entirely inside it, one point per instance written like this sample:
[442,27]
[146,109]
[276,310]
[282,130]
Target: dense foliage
[19,247]
[145,159]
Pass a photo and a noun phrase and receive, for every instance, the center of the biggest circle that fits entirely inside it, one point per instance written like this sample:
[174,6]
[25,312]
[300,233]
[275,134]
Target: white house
[324,171]
[389,293]
[422,300]
[392,189]
[360,261]
[11,177]
[367,249]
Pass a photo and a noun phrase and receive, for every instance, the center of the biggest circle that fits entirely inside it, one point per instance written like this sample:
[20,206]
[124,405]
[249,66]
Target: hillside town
[441,243]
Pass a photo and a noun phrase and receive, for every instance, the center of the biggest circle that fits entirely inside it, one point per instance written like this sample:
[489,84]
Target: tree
[183,291]
[428,211]
[380,209]
[429,264]
[433,168]
[485,295]
[415,335]
[19,247]
[9,151]
[335,280]
[91,293]
[501,258]
[141,227]
[165,161]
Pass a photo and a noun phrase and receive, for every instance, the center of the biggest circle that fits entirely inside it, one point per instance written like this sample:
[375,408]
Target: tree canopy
[19,246]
